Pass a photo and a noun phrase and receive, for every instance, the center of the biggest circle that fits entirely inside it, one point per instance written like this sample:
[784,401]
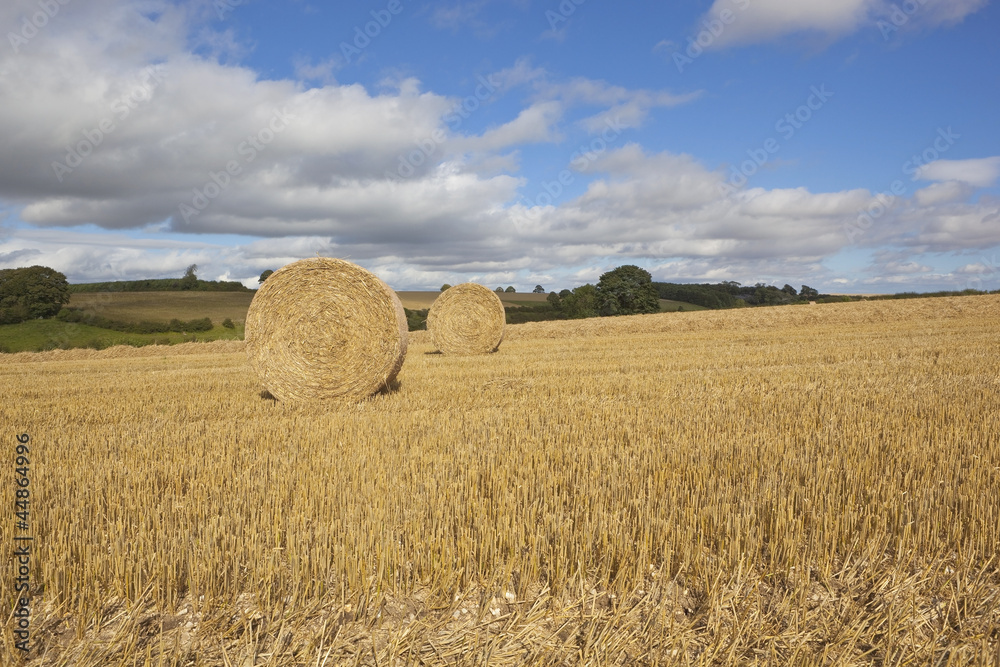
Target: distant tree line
[78,316]
[730,294]
[41,292]
[626,290]
[189,282]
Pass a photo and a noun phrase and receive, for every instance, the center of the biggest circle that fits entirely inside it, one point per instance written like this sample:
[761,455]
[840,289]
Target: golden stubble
[798,485]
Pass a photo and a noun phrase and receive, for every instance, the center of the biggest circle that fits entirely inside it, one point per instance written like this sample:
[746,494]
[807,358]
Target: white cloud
[458,15]
[755,21]
[980,172]
[535,124]
[943,193]
[630,106]
[320,185]
[322,71]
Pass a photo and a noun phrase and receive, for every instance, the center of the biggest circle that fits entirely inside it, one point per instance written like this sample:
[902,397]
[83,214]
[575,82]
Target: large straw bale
[323,328]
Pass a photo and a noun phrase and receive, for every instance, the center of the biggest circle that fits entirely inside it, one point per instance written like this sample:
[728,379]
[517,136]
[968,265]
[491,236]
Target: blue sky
[850,145]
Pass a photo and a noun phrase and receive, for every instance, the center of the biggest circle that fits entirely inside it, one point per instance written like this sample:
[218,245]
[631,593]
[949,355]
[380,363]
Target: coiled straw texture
[467,319]
[323,328]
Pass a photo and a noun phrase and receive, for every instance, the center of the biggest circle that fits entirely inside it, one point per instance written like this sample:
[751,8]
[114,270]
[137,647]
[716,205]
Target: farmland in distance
[799,485]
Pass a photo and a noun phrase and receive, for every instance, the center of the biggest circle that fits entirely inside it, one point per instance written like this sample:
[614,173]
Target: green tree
[730,286]
[510,289]
[446,286]
[627,290]
[564,293]
[264,276]
[499,290]
[538,290]
[807,293]
[581,302]
[788,289]
[554,299]
[768,295]
[190,280]
[31,292]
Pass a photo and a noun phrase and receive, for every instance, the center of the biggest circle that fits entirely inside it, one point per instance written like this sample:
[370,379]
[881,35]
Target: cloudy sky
[851,145]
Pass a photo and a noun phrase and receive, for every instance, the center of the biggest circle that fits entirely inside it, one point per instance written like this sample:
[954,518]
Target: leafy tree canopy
[580,303]
[627,290]
[31,292]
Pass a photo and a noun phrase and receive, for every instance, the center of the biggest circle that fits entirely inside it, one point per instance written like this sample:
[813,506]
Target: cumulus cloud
[165,135]
[666,205]
[157,141]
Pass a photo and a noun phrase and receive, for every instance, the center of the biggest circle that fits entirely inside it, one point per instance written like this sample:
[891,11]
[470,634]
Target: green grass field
[37,335]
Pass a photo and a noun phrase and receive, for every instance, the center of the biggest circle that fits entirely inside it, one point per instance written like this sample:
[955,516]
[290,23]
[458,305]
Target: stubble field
[799,485]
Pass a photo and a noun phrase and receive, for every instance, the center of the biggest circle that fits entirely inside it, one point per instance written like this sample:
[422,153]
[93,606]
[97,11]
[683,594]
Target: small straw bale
[323,328]
[467,319]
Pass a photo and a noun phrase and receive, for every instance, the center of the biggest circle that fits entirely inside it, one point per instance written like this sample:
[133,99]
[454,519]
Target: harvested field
[164,306]
[800,485]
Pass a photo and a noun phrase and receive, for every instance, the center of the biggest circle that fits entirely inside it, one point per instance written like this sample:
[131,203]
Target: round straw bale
[467,319]
[323,328]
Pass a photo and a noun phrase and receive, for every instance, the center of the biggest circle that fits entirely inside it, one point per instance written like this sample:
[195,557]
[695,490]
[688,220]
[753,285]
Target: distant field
[165,306]
[420,300]
[133,306]
[35,335]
